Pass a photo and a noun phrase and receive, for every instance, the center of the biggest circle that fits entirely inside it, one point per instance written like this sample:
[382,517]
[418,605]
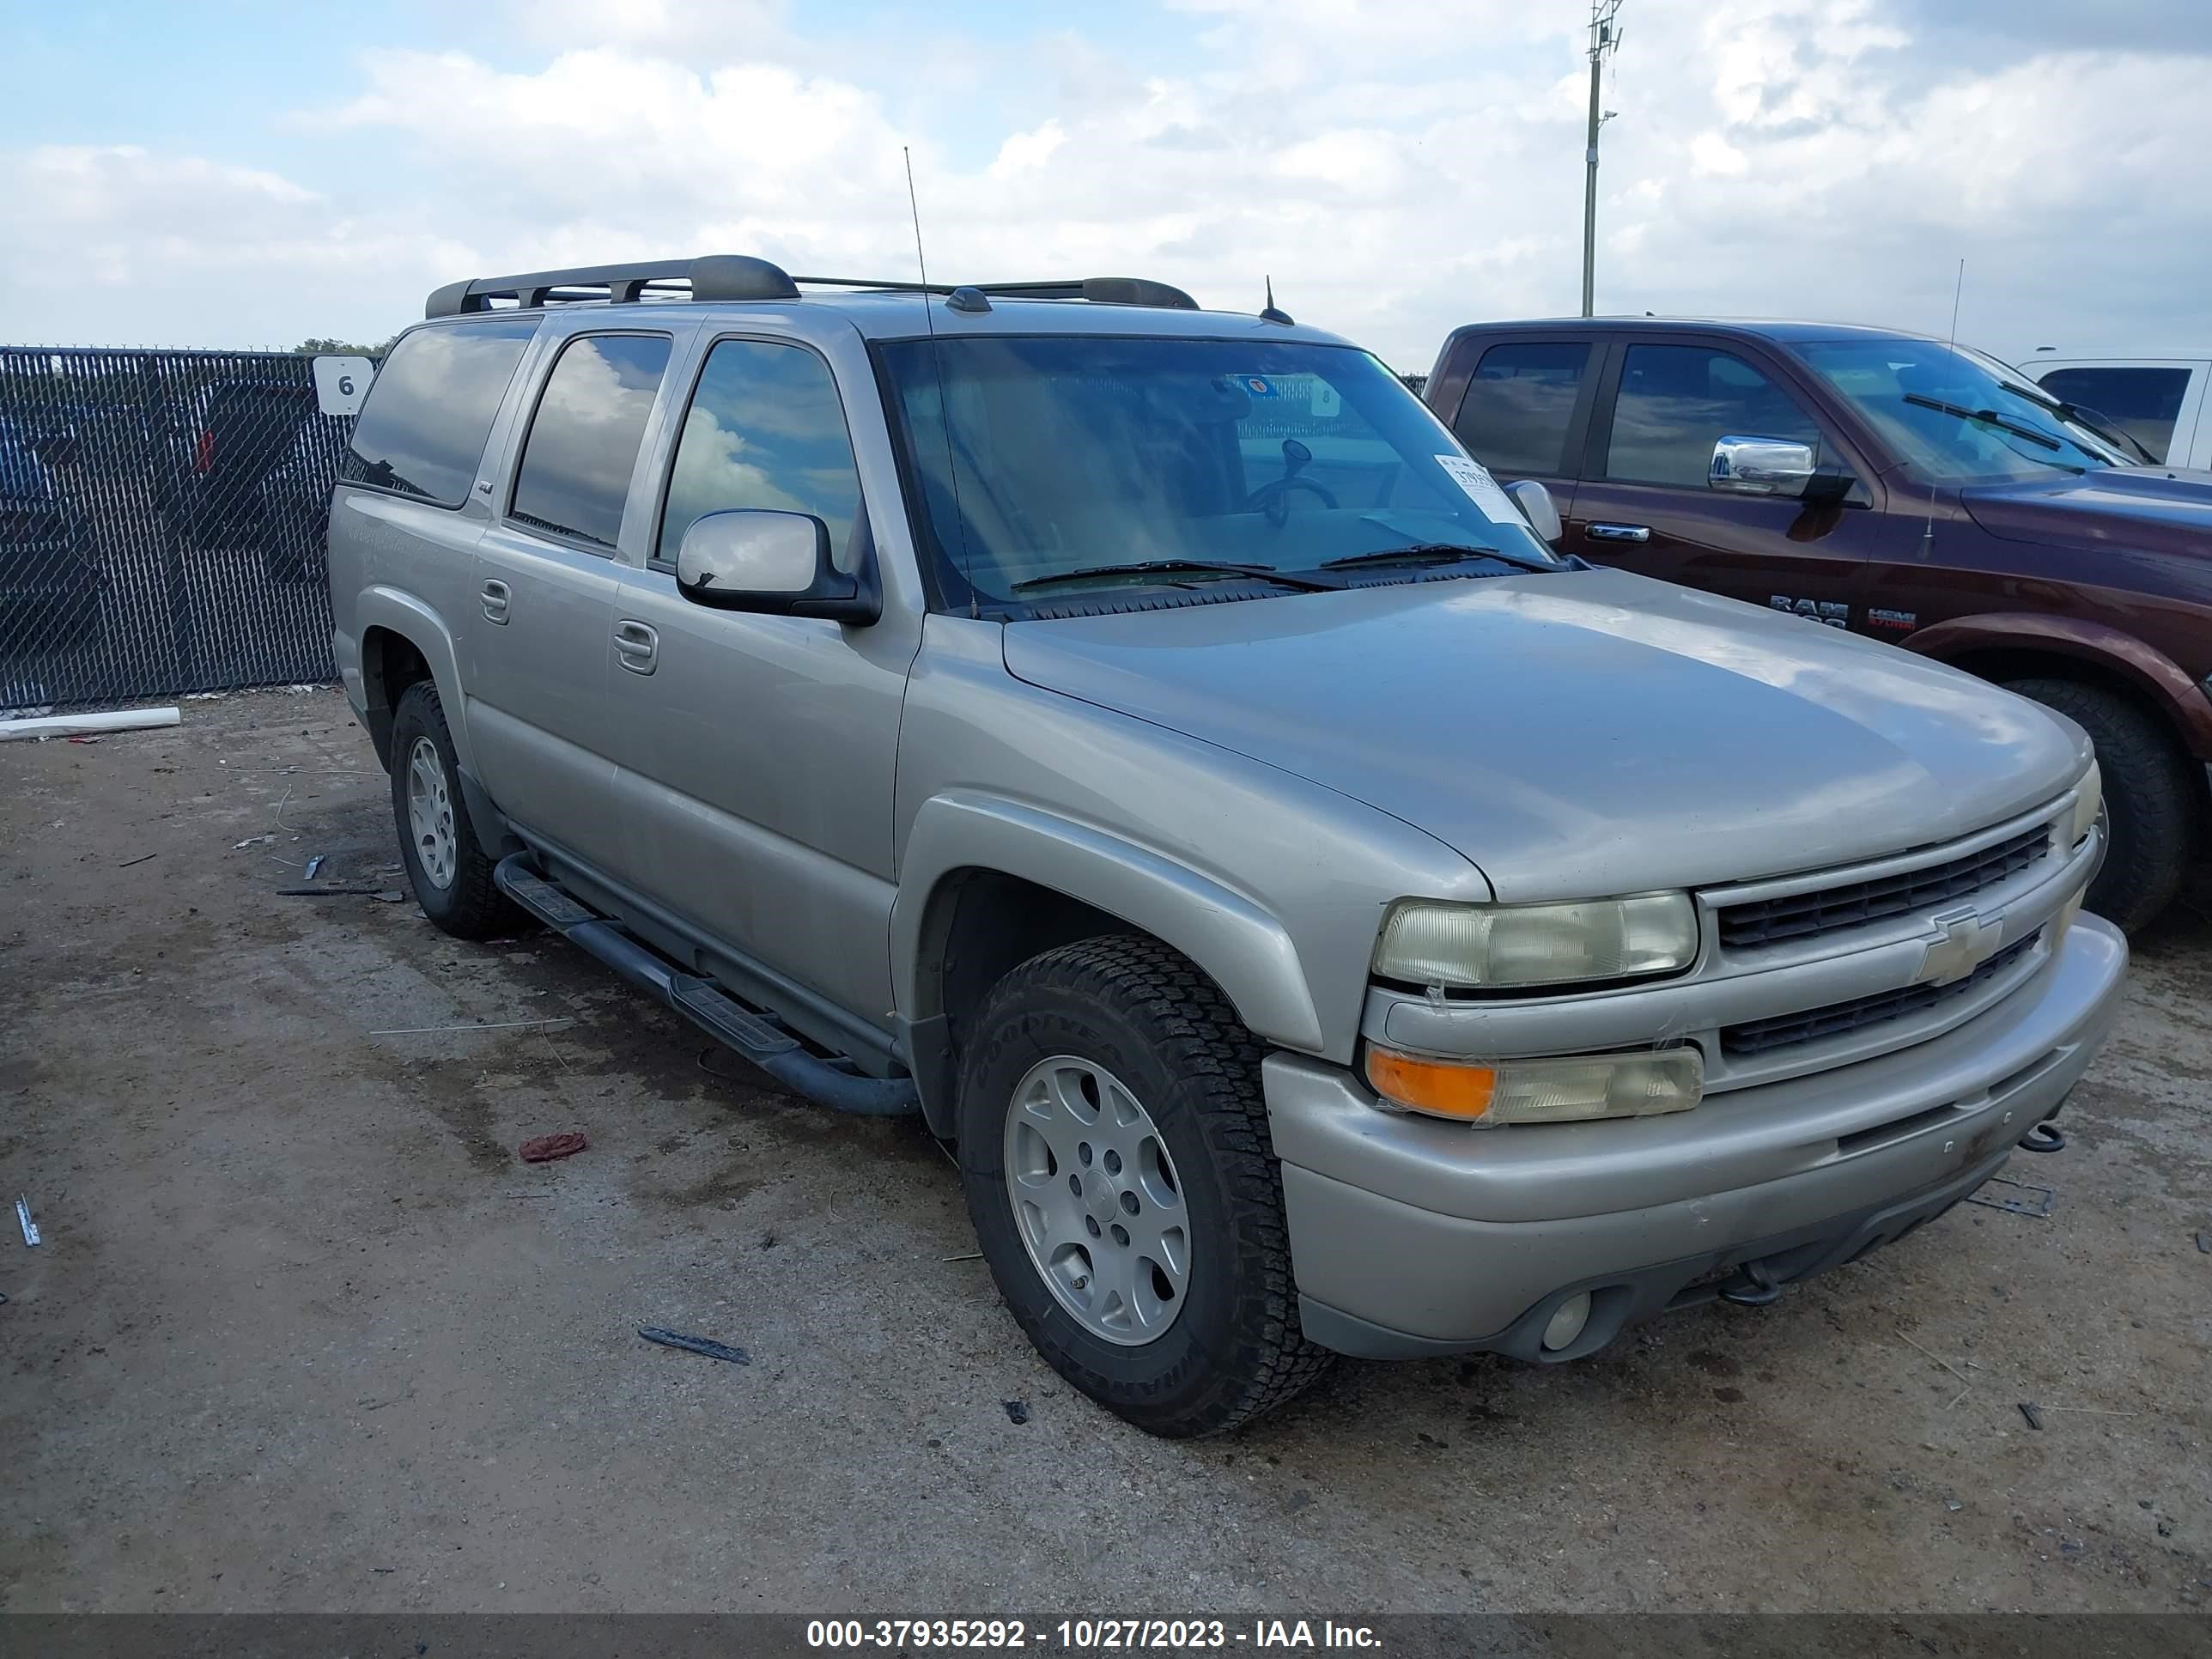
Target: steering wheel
[1273,498]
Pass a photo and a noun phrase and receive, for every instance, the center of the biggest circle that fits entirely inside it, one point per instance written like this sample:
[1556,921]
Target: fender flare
[2119,653]
[1245,950]
[404,614]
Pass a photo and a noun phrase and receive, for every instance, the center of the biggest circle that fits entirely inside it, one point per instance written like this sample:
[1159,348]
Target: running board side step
[752,1034]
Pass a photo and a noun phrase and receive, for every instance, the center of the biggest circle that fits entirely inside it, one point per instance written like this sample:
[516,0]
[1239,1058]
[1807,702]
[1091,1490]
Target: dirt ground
[304,1334]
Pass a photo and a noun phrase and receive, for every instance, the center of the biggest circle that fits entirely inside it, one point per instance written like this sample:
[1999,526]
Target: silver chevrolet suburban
[1140,740]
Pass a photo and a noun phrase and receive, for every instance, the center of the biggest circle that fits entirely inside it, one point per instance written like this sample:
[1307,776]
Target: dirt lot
[305,1335]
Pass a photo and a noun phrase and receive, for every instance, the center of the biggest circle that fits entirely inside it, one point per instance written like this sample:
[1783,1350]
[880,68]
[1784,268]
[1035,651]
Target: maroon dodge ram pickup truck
[1897,487]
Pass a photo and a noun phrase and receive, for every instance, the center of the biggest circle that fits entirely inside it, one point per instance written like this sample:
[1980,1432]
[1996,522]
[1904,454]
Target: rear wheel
[2150,799]
[1114,1152]
[448,869]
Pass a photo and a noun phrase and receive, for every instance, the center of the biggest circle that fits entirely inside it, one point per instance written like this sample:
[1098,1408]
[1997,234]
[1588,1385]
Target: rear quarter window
[422,431]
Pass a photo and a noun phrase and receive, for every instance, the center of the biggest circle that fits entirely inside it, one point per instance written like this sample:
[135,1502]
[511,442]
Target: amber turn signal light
[1440,1087]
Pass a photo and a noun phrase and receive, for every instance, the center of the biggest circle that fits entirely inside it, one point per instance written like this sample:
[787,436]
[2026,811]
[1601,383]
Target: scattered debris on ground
[706,1345]
[543,1149]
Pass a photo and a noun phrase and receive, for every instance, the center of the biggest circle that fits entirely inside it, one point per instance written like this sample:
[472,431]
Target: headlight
[2089,796]
[1488,946]
[1541,1090]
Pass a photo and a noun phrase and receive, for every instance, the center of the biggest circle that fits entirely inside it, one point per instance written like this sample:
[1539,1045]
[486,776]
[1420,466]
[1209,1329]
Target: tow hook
[2045,1137]
[1754,1286]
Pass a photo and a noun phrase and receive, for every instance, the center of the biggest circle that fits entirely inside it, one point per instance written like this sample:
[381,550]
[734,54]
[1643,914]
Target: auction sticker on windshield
[1481,488]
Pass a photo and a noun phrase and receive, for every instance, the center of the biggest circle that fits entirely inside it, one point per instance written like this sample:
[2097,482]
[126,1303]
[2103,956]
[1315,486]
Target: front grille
[1826,909]
[1759,1036]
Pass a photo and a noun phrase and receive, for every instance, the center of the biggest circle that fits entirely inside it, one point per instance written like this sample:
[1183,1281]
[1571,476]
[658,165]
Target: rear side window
[765,429]
[423,430]
[1677,402]
[2144,402]
[1520,404]
[583,439]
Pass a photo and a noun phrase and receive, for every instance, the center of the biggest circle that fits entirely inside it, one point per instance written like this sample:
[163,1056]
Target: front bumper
[1411,1236]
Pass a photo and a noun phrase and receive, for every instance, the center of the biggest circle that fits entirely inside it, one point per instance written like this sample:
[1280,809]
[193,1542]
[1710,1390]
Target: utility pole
[1604,41]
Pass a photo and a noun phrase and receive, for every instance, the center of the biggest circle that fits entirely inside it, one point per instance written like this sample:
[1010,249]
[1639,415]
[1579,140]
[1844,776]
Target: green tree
[321,348]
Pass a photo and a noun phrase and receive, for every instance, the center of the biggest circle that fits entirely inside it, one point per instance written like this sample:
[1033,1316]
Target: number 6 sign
[341,383]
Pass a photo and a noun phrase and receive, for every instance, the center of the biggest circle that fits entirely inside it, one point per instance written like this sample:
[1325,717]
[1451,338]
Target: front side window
[583,439]
[1677,402]
[1040,459]
[1520,404]
[2142,402]
[1954,416]
[765,429]
[430,411]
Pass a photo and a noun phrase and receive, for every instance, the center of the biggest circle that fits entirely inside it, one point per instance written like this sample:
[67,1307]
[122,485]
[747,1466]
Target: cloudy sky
[236,173]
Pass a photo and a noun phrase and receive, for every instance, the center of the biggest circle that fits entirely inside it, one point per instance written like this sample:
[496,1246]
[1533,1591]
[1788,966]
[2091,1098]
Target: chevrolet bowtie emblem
[1969,940]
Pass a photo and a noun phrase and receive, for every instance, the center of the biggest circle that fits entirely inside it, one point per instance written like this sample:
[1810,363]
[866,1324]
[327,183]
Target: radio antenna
[1958,293]
[943,405]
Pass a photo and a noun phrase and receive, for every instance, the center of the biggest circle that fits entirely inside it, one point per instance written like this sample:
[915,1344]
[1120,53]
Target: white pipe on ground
[74,725]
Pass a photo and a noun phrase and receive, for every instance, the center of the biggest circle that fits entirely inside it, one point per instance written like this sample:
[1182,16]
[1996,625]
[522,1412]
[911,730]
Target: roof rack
[739,276]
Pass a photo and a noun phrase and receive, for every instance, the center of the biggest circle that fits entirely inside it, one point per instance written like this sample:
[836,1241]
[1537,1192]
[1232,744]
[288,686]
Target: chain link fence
[161,524]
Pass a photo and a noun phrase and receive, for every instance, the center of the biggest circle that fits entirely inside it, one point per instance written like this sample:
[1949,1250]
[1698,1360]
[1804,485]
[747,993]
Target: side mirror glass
[1537,507]
[1761,466]
[776,563]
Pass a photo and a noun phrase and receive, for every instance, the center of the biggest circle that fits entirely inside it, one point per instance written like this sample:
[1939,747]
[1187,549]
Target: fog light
[1565,1324]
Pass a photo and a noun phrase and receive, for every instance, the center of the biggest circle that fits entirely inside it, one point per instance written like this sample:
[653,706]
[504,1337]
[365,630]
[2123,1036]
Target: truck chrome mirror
[1537,507]
[778,563]
[1761,466]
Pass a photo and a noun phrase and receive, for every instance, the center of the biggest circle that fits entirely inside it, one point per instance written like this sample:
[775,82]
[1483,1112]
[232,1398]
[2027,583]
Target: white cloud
[1397,169]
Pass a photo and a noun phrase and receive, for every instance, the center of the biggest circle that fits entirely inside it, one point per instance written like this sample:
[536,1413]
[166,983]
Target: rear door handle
[637,647]
[495,597]
[1619,532]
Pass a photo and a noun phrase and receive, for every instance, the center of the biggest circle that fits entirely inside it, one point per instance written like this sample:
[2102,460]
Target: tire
[1134,1009]
[467,903]
[2150,796]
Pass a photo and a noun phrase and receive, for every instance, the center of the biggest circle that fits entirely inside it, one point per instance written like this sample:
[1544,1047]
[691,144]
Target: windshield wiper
[2095,420]
[1990,416]
[1428,553]
[1178,567]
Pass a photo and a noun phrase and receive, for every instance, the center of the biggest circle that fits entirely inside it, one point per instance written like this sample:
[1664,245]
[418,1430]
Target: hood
[2162,509]
[1581,734]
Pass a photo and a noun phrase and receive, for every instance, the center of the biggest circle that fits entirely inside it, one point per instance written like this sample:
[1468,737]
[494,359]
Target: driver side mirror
[771,564]
[1537,507]
[1761,466]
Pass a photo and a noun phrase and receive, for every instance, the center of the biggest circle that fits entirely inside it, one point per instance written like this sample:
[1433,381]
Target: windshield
[1040,457]
[1956,416]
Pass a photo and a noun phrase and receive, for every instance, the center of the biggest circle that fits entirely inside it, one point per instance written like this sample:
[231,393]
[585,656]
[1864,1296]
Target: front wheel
[2150,799]
[1114,1148]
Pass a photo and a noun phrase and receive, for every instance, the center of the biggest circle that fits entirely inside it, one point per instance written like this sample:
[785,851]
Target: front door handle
[495,597]
[1619,532]
[637,647]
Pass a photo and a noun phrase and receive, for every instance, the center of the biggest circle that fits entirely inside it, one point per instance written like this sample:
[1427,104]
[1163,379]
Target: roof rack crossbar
[739,276]
[713,276]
